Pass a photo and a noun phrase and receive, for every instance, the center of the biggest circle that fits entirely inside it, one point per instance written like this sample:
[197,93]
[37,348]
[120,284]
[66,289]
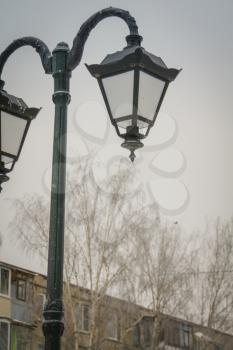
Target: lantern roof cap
[16,106]
[133,57]
[129,50]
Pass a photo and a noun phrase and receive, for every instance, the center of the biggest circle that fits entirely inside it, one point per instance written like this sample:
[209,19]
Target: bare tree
[212,301]
[158,275]
[117,245]
[99,219]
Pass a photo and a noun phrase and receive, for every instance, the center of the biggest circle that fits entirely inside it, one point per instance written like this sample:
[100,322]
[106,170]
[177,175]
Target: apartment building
[119,325]
[22,297]
[173,333]
[16,307]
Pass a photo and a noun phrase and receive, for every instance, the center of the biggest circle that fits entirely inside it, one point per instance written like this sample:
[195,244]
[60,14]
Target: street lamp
[15,119]
[133,83]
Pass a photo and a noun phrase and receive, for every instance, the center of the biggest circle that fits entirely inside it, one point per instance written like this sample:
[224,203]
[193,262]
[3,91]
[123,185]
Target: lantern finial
[3,176]
[132,144]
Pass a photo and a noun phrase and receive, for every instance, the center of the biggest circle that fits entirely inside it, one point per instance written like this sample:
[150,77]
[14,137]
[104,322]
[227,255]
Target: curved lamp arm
[76,52]
[37,44]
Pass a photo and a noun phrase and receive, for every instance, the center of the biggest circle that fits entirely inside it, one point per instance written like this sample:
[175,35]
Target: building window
[136,335]
[38,305]
[198,344]
[218,347]
[185,335]
[21,289]
[146,332]
[113,327]
[21,337]
[4,335]
[4,281]
[83,317]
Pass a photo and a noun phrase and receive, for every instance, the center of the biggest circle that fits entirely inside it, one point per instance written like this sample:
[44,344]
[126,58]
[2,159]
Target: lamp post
[133,83]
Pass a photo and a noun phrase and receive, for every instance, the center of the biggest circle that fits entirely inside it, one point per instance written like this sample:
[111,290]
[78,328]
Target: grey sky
[196,36]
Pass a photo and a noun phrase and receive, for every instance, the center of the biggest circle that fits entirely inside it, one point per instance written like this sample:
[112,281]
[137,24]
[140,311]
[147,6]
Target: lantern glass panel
[119,92]
[150,91]
[124,123]
[12,131]
[142,124]
[6,160]
[143,131]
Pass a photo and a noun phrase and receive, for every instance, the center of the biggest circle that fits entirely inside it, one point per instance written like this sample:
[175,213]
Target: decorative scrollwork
[37,44]
[76,52]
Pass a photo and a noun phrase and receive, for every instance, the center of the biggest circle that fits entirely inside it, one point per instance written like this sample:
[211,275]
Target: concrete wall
[5,307]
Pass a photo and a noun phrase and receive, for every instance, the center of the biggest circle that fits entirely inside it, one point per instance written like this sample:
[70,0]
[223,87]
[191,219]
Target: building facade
[16,308]
[114,324]
[171,333]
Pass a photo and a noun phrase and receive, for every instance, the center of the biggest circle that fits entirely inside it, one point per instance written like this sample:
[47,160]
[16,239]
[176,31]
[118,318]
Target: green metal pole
[53,324]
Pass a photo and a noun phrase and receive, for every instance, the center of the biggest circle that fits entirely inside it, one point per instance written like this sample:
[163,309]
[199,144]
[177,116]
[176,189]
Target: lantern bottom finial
[3,178]
[132,144]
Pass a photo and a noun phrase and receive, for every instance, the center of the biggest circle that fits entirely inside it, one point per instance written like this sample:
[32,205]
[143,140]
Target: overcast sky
[191,178]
